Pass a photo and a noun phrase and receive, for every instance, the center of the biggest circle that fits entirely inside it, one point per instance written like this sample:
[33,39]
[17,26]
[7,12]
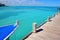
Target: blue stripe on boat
[5,31]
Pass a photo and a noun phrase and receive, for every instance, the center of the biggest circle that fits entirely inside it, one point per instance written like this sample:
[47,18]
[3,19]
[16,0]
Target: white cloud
[20,2]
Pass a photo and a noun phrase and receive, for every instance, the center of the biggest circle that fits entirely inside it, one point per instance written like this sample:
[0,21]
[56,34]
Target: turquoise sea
[26,15]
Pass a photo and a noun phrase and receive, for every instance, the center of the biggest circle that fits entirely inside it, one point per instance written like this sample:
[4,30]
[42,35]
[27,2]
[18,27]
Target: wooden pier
[49,31]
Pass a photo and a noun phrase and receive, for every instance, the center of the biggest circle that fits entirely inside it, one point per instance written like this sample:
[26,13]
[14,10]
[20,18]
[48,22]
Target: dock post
[34,27]
[17,23]
[48,19]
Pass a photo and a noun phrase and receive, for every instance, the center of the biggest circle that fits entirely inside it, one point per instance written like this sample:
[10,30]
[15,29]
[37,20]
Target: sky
[31,2]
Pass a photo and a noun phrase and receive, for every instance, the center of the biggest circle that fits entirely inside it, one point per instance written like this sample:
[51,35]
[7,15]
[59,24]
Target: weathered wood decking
[48,31]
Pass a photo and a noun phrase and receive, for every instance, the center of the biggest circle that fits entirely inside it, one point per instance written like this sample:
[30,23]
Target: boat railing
[15,25]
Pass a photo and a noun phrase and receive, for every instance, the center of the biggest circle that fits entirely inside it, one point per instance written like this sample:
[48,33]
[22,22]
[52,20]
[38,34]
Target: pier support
[48,19]
[17,23]
[34,27]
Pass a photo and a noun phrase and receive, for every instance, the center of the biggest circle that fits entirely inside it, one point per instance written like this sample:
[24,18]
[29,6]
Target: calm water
[26,16]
